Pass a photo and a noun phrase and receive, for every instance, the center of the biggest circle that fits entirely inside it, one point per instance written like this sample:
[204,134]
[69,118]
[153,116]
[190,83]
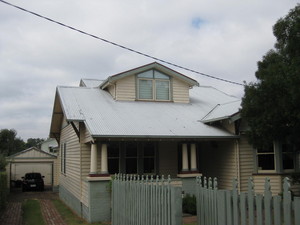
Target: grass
[32,214]
[68,215]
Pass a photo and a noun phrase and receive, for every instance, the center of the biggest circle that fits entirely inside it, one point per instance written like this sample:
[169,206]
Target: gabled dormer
[152,82]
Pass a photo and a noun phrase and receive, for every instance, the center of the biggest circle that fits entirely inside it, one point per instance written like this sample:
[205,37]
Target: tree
[33,142]
[9,142]
[3,163]
[271,105]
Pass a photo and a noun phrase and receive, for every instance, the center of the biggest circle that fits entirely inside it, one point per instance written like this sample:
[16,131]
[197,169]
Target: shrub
[189,204]
[3,162]
[3,190]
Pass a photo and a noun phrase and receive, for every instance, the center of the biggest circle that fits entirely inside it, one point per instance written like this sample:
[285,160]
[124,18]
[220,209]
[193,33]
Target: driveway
[13,212]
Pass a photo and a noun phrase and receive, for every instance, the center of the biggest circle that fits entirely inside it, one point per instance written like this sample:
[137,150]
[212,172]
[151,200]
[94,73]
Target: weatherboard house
[151,120]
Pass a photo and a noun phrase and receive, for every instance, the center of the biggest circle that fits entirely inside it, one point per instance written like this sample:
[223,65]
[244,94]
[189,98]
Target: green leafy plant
[3,190]
[3,162]
[189,204]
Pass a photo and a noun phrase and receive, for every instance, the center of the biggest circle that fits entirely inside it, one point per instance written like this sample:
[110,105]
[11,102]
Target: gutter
[166,137]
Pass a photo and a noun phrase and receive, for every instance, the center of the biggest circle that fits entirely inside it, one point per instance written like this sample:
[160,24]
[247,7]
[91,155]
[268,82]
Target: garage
[18,170]
[32,160]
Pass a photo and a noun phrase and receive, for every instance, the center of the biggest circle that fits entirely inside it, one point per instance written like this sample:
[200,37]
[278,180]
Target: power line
[120,46]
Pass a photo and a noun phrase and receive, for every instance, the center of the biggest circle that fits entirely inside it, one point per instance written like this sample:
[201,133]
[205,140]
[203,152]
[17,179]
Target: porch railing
[229,207]
[143,200]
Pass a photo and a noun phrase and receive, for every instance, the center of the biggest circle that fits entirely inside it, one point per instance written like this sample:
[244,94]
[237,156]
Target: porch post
[104,169]
[185,163]
[93,168]
[193,158]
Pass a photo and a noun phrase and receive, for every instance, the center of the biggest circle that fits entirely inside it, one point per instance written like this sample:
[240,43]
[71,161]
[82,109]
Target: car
[33,181]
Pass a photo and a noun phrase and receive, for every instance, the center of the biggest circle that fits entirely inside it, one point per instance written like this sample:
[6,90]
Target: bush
[189,204]
[3,190]
[3,162]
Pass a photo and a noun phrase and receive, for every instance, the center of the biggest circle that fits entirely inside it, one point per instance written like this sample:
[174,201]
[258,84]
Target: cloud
[220,38]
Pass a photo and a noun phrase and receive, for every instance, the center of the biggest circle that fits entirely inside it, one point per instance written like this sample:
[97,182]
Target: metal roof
[222,111]
[106,117]
[143,68]
[90,82]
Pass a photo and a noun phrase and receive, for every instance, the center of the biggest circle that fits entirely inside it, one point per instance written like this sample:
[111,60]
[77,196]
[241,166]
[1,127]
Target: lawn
[68,215]
[32,214]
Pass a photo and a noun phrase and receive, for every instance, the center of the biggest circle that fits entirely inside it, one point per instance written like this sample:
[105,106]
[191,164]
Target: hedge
[3,190]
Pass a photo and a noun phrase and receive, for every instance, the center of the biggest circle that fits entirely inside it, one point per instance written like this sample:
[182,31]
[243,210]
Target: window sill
[273,173]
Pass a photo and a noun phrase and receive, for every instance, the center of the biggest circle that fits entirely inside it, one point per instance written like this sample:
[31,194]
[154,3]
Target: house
[150,120]
[49,145]
[32,160]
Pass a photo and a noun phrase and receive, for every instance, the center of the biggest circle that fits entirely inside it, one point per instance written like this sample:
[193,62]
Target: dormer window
[153,85]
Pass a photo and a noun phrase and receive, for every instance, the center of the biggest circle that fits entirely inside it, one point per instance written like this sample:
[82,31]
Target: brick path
[189,219]
[12,214]
[50,213]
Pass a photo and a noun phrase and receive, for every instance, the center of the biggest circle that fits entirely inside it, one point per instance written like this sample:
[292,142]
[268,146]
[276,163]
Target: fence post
[222,220]
[176,206]
[251,201]
[235,201]
[277,210]
[297,209]
[259,209]
[287,201]
[243,197]
[268,202]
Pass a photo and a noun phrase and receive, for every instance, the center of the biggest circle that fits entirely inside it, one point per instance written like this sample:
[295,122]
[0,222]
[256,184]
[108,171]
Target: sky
[221,38]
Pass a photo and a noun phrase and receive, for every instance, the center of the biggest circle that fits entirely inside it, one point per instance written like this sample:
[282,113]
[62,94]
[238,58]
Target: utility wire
[121,46]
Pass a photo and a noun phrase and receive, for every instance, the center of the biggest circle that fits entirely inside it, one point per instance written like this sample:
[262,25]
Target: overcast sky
[221,38]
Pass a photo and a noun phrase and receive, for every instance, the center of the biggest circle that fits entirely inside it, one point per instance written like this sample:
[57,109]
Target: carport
[32,160]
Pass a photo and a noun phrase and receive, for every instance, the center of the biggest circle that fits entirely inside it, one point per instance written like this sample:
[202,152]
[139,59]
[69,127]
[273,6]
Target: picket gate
[144,200]
[229,207]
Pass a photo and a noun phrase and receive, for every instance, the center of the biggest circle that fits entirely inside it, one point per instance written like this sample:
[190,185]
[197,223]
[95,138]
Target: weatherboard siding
[71,180]
[125,89]
[85,135]
[218,159]
[276,183]
[112,91]
[85,160]
[246,162]
[180,91]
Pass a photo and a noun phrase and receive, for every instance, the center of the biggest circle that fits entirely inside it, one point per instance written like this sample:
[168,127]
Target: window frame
[109,158]
[154,91]
[63,151]
[291,153]
[262,153]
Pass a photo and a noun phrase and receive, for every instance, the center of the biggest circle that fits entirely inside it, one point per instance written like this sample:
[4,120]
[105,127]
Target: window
[131,158]
[153,85]
[287,157]
[266,159]
[149,158]
[113,157]
[63,150]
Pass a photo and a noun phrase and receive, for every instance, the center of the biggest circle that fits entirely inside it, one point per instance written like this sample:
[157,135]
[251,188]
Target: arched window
[153,85]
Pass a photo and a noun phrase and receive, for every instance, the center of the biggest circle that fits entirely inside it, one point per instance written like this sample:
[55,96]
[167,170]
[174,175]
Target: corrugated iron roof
[90,82]
[105,117]
[222,111]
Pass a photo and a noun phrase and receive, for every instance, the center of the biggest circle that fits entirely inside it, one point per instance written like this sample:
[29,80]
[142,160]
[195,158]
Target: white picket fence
[140,200]
[229,207]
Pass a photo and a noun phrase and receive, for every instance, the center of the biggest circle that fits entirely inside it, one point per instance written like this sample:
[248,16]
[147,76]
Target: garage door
[18,170]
